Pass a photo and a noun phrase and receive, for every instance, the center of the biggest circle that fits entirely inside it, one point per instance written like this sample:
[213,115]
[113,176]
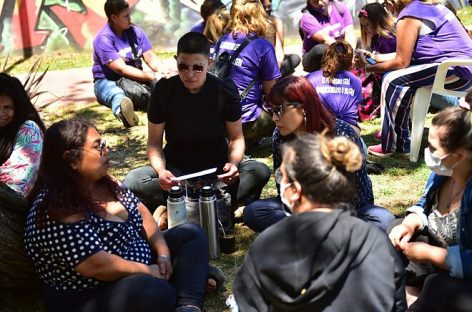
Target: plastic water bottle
[176,211]
[208,220]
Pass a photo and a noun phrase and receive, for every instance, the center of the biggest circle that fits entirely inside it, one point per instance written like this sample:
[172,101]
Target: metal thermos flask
[208,220]
[176,211]
[193,206]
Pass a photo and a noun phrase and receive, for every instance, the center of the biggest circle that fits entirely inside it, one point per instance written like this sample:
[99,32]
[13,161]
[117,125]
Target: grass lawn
[397,188]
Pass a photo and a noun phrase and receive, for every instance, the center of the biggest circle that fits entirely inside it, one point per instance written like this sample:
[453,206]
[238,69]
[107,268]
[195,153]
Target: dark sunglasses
[279,109]
[198,68]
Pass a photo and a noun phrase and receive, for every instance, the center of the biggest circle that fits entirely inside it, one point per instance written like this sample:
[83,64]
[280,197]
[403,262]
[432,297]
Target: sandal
[216,280]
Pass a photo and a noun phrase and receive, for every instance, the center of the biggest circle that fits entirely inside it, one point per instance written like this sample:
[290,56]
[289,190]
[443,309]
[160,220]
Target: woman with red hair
[296,108]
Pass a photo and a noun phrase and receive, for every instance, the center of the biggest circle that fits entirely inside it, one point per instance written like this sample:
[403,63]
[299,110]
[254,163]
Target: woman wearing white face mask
[436,235]
[322,258]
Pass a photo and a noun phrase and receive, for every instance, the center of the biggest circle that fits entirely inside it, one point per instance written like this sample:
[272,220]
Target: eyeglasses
[100,148]
[280,109]
[198,68]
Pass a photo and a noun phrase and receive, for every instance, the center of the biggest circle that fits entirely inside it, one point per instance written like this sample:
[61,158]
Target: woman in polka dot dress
[95,247]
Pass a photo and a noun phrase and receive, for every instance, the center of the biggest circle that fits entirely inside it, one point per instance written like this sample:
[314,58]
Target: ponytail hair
[337,57]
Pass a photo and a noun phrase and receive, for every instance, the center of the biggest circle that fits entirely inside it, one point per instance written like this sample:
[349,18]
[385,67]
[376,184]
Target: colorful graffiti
[36,26]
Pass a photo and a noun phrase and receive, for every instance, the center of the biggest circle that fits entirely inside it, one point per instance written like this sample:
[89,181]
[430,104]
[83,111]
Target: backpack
[221,67]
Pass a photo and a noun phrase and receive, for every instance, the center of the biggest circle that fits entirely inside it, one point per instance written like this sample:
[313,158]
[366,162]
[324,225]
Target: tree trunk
[16,269]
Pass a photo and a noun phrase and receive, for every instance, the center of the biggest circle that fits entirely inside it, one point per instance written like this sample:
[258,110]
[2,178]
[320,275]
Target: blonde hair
[249,16]
[324,167]
[216,25]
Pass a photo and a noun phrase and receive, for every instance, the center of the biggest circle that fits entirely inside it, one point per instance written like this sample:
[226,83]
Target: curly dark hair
[66,193]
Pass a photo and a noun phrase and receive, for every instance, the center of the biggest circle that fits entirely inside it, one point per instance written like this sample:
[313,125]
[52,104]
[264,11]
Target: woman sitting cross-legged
[95,247]
[296,108]
[322,258]
[436,235]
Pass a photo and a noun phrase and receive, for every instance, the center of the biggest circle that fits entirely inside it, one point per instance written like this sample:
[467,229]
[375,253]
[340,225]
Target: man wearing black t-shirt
[201,117]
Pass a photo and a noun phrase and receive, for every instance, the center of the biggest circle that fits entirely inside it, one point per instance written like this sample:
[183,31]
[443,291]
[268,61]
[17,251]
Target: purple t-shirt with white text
[342,97]
[256,61]
[109,46]
[335,24]
[447,40]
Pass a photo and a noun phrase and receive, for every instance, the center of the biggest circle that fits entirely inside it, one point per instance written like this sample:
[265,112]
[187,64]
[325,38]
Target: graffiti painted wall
[37,26]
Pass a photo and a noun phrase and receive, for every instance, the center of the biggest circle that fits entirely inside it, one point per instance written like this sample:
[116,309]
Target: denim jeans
[108,94]
[261,214]
[141,292]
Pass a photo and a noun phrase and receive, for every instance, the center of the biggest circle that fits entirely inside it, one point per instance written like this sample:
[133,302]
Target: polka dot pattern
[57,248]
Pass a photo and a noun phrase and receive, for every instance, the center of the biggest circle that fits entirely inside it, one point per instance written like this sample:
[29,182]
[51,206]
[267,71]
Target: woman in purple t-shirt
[321,24]
[378,41]
[339,89]
[255,69]
[428,33]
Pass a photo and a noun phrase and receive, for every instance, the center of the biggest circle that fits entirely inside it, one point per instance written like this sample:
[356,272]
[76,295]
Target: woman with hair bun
[322,258]
[339,89]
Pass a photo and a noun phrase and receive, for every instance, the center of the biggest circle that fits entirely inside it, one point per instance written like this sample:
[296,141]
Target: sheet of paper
[194,175]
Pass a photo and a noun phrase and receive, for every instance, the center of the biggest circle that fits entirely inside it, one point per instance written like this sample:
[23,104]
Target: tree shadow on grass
[396,164]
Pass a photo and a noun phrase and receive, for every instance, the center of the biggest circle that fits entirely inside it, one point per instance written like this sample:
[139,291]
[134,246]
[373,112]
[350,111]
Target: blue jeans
[261,214]
[141,292]
[109,94]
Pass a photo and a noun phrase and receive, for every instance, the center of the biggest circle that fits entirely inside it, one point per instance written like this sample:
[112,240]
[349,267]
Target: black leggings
[141,292]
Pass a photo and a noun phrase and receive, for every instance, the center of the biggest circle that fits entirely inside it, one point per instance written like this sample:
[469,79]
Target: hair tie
[363,13]
[340,49]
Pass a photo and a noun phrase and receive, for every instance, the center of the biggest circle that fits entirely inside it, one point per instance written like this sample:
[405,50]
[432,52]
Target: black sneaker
[127,115]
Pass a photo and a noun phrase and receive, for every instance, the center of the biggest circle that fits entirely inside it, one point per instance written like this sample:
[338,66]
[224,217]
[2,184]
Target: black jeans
[290,62]
[144,183]
[439,291]
[312,59]
[141,292]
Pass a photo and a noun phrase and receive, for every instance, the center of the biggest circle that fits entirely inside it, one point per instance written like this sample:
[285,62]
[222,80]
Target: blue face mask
[434,162]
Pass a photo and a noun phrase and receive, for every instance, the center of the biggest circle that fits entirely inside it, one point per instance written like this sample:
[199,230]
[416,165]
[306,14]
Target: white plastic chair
[422,100]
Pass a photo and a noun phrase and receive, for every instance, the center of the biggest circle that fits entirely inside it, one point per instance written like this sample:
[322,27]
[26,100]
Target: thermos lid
[207,191]
[176,192]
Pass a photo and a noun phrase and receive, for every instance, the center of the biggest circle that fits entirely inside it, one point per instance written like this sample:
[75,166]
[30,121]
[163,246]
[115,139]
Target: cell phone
[370,60]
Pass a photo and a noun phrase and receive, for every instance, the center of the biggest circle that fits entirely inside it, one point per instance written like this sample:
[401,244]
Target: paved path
[76,85]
